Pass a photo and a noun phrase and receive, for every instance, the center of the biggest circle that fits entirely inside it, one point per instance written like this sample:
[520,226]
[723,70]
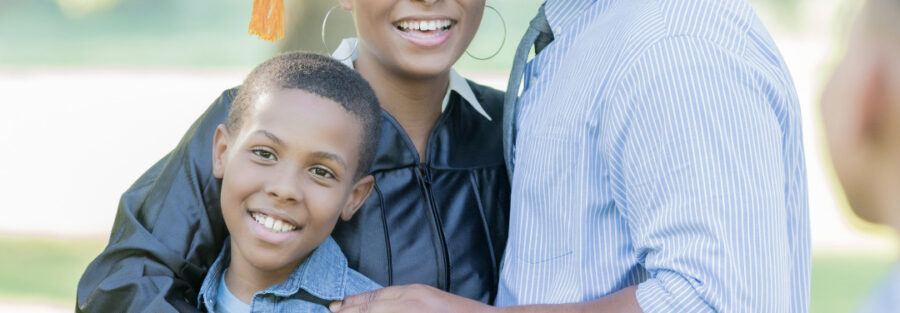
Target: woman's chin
[425,66]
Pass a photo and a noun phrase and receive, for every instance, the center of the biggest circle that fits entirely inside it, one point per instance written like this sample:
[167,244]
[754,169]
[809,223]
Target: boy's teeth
[424,25]
[277,225]
[273,224]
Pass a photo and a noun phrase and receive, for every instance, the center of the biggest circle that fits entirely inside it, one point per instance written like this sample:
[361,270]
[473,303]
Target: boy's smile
[287,174]
[272,228]
[272,222]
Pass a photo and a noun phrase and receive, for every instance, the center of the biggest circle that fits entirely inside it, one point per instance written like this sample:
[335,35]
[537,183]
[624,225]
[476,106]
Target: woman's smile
[425,32]
[414,38]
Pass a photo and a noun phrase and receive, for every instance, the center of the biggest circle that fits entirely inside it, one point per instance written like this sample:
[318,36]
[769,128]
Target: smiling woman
[420,48]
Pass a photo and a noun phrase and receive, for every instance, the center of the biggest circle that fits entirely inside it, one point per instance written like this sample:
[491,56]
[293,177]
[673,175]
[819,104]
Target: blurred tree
[304,26]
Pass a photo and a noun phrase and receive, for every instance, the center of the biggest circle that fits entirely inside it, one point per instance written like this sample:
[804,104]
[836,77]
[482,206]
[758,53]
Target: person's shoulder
[643,22]
[661,29]
[724,22]
[228,95]
[209,289]
[490,99]
[357,283]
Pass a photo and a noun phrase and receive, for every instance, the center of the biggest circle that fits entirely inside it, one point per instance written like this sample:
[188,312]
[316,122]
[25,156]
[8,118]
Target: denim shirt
[323,277]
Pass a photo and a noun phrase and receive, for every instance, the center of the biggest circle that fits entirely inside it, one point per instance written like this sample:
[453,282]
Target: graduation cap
[267,19]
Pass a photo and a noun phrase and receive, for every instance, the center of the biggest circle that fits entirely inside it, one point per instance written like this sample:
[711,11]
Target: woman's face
[417,38]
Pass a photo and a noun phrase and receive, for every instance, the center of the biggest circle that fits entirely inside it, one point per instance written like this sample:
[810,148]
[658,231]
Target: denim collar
[325,264]
[348,52]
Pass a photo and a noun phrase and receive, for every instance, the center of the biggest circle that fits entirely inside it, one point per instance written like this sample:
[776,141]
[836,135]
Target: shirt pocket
[545,199]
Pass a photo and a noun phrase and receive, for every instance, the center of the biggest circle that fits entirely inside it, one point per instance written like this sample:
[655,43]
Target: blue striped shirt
[659,144]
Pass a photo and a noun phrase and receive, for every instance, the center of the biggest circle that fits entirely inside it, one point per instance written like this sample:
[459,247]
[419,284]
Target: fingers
[388,299]
[359,299]
[390,306]
[361,302]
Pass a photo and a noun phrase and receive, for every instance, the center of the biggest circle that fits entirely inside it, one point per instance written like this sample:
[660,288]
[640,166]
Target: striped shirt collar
[350,47]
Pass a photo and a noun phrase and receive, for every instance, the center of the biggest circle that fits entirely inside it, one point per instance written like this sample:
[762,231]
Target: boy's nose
[284,188]
[429,2]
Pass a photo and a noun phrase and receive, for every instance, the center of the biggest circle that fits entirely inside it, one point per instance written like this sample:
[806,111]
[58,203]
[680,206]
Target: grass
[840,281]
[44,269]
[48,270]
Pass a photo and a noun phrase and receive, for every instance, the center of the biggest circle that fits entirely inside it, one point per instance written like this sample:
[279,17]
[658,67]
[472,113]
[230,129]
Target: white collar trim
[348,52]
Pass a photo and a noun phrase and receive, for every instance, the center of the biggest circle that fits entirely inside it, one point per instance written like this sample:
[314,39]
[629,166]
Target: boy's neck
[414,101]
[244,280]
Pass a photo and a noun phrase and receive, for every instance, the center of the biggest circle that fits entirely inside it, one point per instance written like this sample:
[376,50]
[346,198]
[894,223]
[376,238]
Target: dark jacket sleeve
[167,232]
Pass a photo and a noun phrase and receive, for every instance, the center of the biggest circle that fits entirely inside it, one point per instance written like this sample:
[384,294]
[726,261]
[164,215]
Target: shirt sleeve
[167,232]
[702,181]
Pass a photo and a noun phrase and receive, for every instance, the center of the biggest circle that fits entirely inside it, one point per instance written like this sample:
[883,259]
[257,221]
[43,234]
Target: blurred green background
[196,33]
[49,44]
[212,33]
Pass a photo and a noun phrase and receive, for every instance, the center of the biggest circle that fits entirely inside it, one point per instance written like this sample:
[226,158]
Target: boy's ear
[358,196]
[220,146]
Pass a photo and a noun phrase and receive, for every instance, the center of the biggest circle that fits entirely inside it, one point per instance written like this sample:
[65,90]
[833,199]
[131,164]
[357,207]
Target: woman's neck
[414,101]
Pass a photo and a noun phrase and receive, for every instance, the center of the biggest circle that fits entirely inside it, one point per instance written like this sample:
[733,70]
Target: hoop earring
[324,22]
[503,42]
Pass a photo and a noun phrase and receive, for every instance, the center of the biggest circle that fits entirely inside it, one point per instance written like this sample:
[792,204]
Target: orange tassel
[267,19]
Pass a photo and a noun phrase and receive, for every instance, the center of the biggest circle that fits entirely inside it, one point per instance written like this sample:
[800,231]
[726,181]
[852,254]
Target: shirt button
[557,30]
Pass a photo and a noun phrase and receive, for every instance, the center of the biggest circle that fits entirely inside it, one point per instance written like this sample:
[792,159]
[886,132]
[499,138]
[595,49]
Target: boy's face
[287,176]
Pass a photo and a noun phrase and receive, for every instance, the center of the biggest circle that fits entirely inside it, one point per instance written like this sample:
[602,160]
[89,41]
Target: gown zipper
[424,176]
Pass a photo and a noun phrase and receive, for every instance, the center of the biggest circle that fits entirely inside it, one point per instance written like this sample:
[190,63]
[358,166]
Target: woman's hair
[319,75]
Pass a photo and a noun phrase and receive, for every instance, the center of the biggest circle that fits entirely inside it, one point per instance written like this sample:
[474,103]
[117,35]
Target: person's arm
[422,298]
[167,232]
[712,178]
[704,183]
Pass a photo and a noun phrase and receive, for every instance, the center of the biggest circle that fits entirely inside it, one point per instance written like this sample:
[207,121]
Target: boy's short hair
[319,75]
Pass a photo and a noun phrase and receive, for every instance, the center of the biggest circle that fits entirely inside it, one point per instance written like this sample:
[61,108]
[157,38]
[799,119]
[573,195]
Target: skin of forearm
[622,301]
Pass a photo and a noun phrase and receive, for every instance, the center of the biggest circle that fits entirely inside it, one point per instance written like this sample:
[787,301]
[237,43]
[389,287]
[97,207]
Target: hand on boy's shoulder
[358,283]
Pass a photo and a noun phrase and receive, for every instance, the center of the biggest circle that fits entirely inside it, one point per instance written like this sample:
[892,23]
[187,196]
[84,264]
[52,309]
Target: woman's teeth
[273,224]
[423,25]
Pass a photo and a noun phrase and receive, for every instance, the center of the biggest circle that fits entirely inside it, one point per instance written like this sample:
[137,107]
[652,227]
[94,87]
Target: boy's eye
[264,154]
[318,171]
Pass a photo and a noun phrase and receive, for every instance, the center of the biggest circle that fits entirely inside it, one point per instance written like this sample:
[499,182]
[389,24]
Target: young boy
[861,110]
[293,157]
